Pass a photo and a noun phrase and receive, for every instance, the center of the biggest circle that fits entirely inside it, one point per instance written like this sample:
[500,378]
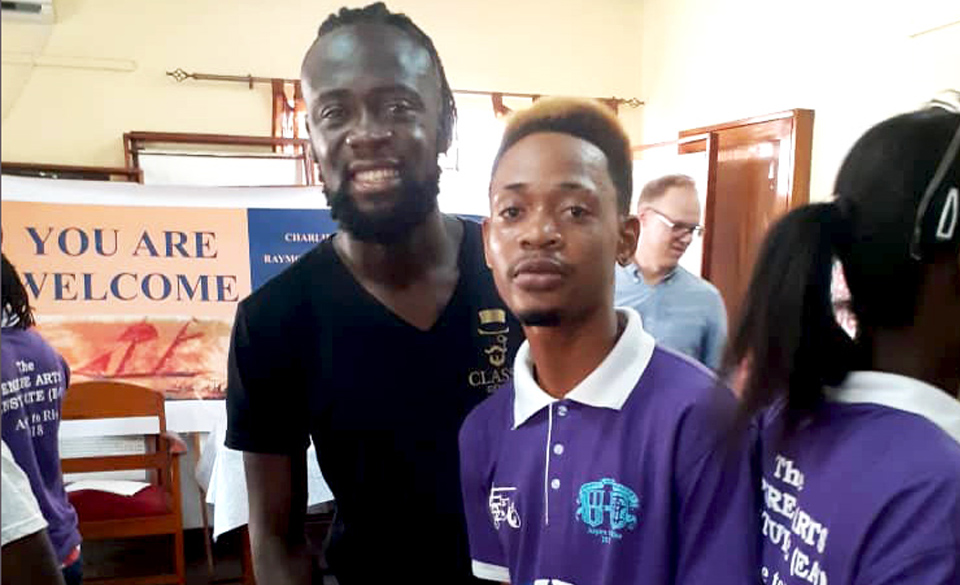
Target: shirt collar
[608,386]
[902,393]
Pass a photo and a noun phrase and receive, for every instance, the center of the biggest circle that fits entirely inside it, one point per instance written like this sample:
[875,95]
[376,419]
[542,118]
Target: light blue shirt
[683,312]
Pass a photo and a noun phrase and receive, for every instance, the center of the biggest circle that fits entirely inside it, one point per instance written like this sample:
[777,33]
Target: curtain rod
[180,75]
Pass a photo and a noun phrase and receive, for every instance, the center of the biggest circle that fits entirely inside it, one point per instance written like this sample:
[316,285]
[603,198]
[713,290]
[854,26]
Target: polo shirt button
[558,449]
[562,410]
[555,484]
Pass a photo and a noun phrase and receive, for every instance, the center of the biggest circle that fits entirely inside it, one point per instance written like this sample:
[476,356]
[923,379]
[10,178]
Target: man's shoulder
[695,283]
[282,296]
[472,258]
[694,290]
[491,417]
[690,404]
[685,383]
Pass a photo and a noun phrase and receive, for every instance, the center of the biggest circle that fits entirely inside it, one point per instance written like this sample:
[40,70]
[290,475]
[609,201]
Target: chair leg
[207,536]
[179,560]
[207,533]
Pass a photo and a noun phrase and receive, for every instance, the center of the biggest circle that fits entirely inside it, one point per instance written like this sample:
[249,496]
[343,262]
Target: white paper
[115,486]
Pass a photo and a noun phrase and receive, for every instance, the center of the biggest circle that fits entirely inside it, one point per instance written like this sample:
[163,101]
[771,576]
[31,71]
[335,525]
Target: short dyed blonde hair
[583,118]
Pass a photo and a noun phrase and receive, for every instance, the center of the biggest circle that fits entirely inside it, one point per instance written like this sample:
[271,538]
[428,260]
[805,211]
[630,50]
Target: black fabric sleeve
[266,402]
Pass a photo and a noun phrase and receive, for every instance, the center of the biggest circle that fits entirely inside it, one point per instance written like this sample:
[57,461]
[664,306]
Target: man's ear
[629,235]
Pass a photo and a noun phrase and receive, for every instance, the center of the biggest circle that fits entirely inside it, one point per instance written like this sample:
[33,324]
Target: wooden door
[652,161]
[761,170]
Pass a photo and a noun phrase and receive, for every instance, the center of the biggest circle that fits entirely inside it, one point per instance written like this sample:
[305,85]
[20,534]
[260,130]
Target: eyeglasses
[679,229]
[949,101]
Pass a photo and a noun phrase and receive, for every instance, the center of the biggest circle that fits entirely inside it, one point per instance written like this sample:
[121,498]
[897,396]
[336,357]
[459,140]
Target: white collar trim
[902,393]
[608,386]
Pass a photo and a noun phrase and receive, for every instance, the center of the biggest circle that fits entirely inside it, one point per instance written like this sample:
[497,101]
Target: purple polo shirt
[867,491]
[630,479]
[35,379]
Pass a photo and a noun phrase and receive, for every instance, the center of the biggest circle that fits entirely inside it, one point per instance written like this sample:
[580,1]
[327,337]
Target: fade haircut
[378,13]
[657,188]
[583,118]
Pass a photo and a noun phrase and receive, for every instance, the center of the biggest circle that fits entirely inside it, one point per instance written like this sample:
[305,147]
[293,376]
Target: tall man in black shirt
[378,342]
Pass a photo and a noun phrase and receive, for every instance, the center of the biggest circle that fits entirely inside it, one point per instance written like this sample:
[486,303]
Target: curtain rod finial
[179,74]
[631,102]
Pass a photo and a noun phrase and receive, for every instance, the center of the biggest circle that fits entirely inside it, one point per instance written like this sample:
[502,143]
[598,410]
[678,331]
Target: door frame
[796,129]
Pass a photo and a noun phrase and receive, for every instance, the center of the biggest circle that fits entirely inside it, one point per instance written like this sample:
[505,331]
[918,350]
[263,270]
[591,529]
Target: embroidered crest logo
[503,508]
[607,508]
[493,331]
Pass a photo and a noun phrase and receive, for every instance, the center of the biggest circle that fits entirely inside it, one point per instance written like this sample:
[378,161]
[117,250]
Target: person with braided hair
[378,342]
[34,382]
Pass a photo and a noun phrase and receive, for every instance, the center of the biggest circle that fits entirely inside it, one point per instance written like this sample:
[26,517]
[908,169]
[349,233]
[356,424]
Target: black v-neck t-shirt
[314,354]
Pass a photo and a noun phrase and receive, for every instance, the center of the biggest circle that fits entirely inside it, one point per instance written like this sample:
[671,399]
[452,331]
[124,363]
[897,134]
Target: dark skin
[31,560]
[927,349]
[373,99]
[377,105]
[552,240]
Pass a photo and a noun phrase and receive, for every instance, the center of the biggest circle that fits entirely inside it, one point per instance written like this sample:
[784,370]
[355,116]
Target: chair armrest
[175,444]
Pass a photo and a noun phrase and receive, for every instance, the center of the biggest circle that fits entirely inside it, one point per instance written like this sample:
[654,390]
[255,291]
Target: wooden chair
[155,510]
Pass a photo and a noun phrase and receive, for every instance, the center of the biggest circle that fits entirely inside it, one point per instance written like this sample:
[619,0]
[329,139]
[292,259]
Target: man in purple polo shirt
[607,459]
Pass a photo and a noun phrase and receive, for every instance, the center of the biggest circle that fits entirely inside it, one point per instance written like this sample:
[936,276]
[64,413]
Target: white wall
[852,61]
[118,51]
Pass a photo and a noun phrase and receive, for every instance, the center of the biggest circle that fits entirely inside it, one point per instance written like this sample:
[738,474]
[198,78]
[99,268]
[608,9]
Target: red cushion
[93,505]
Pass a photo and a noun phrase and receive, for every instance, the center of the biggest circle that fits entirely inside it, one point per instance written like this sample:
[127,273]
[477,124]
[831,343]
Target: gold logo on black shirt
[492,322]
[492,326]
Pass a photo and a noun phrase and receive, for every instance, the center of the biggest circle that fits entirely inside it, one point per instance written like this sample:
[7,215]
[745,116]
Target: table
[220,473]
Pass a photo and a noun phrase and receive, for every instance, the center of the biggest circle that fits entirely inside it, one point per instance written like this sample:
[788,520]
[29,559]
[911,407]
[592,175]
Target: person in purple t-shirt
[34,380]
[860,437]
[607,460]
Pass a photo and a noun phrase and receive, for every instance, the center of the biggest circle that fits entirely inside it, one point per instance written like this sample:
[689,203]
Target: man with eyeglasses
[682,311]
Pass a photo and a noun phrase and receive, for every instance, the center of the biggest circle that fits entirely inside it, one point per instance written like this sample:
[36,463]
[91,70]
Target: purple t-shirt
[630,479]
[868,491]
[34,380]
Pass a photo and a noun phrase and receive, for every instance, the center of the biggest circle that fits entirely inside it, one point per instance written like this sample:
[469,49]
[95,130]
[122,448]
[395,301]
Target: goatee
[417,200]
[547,318]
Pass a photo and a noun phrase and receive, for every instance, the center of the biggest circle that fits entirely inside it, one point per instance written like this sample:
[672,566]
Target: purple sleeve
[716,515]
[486,554]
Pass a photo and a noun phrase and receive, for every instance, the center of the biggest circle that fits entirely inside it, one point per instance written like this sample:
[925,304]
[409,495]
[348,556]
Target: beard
[541,318]
[418,199]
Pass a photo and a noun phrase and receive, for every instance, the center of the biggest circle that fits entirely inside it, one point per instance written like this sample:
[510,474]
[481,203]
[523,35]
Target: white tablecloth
[220,472]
